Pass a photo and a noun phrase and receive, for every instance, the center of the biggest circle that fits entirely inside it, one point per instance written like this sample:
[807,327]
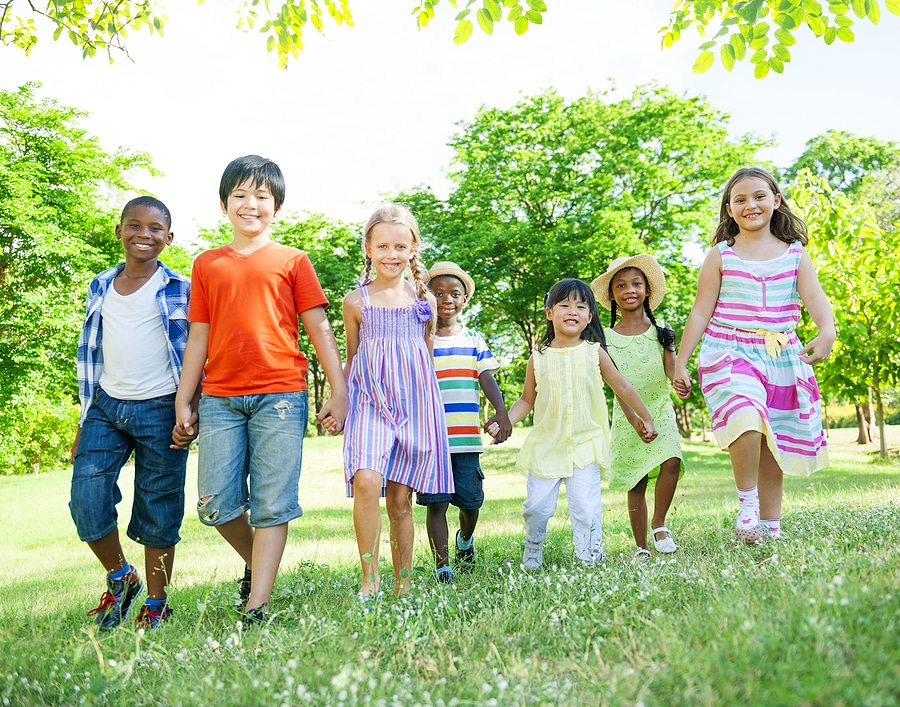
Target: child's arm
[816,302]
[708,287]
[495,398]
[429,330]
[183,435]
[643,423]
[523,405]
[322,338]
[195,354]
[351,309]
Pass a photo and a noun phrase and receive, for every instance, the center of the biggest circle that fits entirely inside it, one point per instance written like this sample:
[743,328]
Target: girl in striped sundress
[395,436]
[754,372]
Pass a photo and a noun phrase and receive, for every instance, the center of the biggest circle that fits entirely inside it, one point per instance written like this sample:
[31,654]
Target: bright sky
[368,110]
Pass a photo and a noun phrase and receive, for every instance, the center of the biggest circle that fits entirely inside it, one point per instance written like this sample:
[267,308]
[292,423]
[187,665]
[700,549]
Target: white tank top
[136,363]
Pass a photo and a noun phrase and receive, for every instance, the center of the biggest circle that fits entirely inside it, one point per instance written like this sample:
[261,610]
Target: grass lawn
[811,620]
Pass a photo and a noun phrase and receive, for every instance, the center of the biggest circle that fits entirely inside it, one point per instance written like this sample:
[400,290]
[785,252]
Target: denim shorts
[250,452]
[111,430]
[467,477]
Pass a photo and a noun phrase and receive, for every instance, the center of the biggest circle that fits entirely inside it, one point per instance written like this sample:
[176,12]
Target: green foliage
[37,432]
[844,160]
[94,25]
[857,268]
[765,27]
[550,189]
[55,234]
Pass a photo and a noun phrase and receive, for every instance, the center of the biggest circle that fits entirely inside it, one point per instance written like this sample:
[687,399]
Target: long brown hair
[785,224]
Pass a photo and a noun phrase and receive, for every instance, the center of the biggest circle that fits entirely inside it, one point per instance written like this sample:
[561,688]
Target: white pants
[585,510]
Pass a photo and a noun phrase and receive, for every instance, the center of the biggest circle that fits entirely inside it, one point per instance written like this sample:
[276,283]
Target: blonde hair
[397,213]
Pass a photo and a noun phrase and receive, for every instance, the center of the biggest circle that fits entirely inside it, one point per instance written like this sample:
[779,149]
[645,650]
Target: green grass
[812,620]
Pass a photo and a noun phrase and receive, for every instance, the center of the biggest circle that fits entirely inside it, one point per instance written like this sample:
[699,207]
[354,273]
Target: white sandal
[666,545]
[641,555]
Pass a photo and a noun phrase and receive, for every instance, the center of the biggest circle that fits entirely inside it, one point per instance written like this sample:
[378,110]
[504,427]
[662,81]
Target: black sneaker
[465,559]
[245,585]
[257,616]
[116,601]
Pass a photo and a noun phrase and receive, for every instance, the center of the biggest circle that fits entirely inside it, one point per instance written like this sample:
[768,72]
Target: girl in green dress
[644,351]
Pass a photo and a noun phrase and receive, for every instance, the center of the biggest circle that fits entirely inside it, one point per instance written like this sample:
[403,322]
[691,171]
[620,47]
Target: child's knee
[207,510]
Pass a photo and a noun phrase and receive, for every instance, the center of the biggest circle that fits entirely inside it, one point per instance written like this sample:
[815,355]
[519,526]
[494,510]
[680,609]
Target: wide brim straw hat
[646,263]
[445,267]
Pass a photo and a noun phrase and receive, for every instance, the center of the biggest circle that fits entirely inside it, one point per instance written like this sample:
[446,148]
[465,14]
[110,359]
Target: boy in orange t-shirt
[246,299]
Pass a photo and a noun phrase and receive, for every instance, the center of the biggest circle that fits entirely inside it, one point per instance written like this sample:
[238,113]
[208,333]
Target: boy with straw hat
[463,363]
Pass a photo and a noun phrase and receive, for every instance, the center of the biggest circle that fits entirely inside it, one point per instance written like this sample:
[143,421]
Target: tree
[845,160]
[745,33]
[550,189]
[96,25]
[857,269]
[56,231]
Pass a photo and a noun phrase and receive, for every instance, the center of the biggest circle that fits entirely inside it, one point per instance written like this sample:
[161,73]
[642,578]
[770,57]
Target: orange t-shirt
[251,303]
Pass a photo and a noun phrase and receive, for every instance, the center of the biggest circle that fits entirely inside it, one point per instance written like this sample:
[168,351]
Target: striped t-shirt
[458,361]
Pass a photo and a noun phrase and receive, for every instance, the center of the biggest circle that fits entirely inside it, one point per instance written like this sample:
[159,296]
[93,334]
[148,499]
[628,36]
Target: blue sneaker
[116,601]
[153,616]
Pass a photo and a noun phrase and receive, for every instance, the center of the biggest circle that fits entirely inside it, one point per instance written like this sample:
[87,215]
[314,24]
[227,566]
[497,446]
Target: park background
[526,159]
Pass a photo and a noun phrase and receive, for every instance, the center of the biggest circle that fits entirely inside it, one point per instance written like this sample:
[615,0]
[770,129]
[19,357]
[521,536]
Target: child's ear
[223,207]
[170,237]
[549,313]
[777,200]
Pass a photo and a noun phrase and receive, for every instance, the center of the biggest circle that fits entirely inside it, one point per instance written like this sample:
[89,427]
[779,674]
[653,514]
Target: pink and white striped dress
[396,423]
[749,369]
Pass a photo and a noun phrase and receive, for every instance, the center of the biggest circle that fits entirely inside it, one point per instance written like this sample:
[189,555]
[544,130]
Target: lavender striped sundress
[396,424]
[749,369]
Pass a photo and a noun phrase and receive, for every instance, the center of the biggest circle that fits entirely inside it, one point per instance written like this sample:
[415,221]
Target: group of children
[408,396]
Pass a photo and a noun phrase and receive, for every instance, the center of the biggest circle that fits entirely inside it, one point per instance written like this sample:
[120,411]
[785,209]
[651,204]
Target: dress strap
[364,293]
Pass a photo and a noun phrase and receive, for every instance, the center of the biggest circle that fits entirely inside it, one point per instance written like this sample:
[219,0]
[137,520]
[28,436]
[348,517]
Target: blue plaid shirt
[172,298]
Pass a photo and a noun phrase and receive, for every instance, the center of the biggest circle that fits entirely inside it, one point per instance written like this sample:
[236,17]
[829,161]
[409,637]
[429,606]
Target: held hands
[682,383]
[185,430]
[499,427]
[820,347]
[333,414]
[645,429]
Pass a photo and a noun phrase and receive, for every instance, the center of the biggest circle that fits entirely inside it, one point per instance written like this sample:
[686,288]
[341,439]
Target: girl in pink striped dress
[754,372]
[395,436]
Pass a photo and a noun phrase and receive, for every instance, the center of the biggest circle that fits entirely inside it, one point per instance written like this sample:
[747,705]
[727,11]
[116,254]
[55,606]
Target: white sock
[774,528]
[748,508]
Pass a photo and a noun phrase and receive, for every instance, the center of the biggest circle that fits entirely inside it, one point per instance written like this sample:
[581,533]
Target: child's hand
[333,414]
[820,347]
[646,430]
[499,422]
[185,432]
[329,423]
[682,383]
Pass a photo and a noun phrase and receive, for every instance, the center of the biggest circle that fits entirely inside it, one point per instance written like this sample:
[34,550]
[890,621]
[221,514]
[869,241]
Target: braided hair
[666,337]
[397,213]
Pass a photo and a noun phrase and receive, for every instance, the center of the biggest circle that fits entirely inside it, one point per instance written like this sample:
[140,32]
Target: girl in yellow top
[570,438]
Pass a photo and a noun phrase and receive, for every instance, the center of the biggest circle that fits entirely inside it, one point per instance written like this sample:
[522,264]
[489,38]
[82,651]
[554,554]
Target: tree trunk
[880,410]
[869,414]
[863,436]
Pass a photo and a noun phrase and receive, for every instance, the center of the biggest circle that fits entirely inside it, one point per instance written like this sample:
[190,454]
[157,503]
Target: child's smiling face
[250,208]
[144,231]
[390,246]
[569,317]
[450,294]
[628,289]
[751,204]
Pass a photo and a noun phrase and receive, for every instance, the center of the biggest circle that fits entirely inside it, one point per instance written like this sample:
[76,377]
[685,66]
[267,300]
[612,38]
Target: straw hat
[445,267]
[646,263]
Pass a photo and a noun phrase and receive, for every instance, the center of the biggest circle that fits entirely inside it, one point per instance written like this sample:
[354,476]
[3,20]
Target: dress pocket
[714,374]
